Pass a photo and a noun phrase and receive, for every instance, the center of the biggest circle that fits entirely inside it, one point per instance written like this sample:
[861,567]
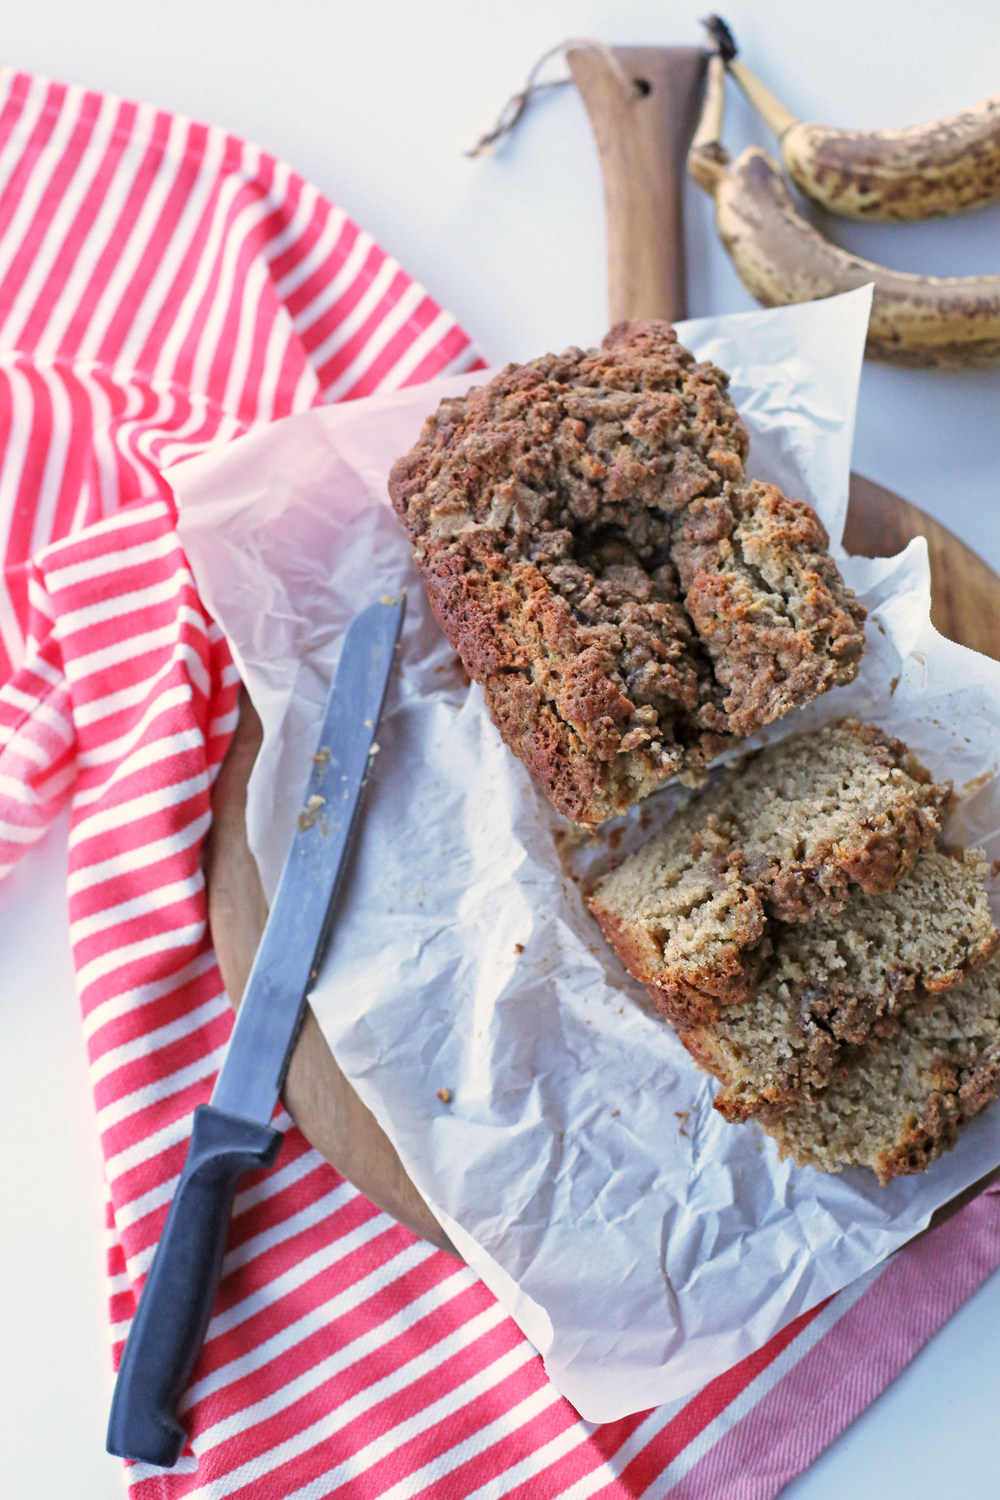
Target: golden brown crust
[590,547]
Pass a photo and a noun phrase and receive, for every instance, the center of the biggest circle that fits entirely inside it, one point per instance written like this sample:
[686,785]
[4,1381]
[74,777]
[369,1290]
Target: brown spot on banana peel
[926,171]
[944,321]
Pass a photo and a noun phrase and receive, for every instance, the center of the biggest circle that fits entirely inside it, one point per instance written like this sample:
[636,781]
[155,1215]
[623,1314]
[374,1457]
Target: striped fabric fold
[165,286]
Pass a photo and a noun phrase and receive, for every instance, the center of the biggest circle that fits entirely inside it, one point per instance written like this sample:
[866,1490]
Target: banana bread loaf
[841,979]
[783,835]
[592,548]
[896,1104]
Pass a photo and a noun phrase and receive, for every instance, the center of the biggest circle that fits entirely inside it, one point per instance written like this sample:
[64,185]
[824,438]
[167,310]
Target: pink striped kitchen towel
[164,286]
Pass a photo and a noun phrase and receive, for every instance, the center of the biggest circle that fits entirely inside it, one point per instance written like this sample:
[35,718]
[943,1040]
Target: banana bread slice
[783,835]
[839,980]
[898,1103]
[591,547]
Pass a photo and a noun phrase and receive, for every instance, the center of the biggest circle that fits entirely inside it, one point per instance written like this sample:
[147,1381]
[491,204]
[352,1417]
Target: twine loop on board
[518,102]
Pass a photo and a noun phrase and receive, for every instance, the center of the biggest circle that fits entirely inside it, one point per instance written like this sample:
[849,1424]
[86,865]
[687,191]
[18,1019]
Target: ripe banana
[925,171]
[951,322]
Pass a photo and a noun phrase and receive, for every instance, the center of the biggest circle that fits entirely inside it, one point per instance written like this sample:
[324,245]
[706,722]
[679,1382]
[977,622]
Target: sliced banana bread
[898,1103]
[592,548]
[783,835]
[843,978]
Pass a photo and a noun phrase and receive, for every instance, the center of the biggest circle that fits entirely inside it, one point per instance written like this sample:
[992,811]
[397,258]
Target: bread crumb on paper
[444,1095]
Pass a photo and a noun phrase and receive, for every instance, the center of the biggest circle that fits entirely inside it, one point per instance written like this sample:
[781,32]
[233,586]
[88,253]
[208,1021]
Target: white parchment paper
[643,1244]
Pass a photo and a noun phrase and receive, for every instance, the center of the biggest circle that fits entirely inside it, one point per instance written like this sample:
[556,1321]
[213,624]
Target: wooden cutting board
[642,129]
[319,1098]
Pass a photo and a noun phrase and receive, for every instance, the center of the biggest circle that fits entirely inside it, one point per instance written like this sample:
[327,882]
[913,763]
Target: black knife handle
[179,1294]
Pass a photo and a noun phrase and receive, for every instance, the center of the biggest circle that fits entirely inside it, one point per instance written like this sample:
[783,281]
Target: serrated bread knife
[233,1134]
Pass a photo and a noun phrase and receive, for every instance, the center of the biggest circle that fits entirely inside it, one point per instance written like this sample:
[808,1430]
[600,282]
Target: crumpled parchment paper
[642,1244]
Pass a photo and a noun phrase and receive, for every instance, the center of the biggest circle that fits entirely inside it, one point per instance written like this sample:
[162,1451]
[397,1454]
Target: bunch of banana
[925,171]
[951,322]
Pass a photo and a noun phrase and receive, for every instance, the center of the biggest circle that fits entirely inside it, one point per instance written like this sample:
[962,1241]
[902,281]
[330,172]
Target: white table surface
[376,103]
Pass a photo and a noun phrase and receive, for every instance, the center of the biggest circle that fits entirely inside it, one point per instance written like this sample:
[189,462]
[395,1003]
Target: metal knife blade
[298,928]
[232,1134]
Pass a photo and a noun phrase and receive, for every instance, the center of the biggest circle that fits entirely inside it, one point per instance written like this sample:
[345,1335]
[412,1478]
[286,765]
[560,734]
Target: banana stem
[709,131]
[707,158]
[770,109]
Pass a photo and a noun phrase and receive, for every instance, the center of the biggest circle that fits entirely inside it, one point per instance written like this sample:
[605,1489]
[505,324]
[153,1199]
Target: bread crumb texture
[898,1103]
[784,836]
[818,953]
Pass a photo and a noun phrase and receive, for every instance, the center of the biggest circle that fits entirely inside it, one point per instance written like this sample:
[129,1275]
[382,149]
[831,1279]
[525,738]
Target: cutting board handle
[643,115]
